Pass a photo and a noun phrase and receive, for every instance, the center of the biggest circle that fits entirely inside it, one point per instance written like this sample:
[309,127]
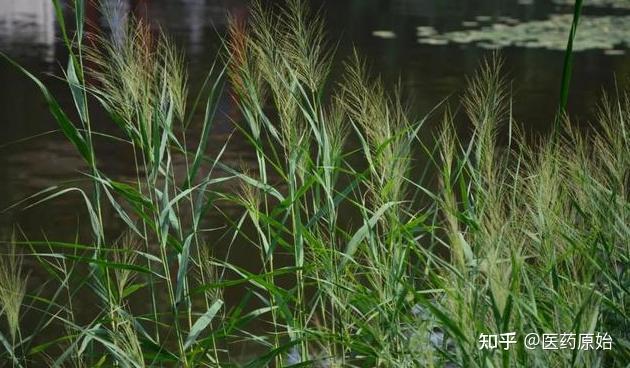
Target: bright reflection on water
[28,25]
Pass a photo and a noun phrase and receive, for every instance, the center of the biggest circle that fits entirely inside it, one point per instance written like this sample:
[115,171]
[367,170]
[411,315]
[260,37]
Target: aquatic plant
[369,255]
[12,290]
[596,32]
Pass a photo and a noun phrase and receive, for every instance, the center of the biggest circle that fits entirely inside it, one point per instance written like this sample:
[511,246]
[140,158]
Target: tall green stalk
[567,66]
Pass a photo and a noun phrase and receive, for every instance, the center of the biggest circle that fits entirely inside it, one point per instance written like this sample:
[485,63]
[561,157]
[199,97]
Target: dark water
[32,157]
[29,34]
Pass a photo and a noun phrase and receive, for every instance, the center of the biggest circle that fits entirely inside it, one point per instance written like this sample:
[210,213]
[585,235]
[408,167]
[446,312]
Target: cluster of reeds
[386,268]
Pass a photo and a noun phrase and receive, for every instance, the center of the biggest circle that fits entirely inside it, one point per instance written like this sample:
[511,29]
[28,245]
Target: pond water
[431,45]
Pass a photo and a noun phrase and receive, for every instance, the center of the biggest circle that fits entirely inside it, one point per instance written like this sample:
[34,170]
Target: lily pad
[595,32]
[614,52]
[483,18]
[426,31]
[384,34]
[434,41]
[617,4]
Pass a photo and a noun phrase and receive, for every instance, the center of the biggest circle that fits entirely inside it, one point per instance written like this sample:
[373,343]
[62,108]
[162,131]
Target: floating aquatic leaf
[596,32]
[614,52]
[509,20]
[470,24]
[617,4]
[425,31]
[483,18]
[434,41]
[384,34]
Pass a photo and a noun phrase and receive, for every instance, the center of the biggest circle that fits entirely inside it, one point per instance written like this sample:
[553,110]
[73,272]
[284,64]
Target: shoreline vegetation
[386,261]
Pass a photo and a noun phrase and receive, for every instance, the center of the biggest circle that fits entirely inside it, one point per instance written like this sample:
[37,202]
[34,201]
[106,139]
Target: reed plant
[364,263]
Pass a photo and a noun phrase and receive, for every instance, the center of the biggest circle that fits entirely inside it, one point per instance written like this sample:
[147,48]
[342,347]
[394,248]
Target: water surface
[388,33]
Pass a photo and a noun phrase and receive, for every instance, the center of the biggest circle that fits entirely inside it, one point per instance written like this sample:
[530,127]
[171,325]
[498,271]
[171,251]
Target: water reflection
[432,72]
[29,26]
